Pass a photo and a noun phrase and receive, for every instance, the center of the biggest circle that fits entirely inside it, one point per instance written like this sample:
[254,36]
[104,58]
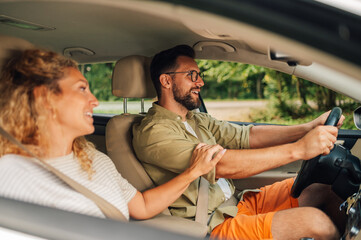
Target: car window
[237,92]
[248,93]
[100,80]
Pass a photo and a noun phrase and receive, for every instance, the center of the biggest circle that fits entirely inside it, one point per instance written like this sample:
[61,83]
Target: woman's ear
[165,80]
[41,96]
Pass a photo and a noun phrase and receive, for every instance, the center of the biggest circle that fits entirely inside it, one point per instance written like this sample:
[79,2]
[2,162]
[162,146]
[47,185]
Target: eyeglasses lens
[195,74]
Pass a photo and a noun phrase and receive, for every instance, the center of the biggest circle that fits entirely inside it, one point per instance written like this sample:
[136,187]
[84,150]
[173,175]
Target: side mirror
[357,117]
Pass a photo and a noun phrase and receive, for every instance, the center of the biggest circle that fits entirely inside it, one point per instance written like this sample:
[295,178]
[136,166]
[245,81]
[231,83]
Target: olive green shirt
[164,146]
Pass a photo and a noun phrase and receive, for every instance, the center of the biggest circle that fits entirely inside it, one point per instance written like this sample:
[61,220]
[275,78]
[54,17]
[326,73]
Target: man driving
[166,137]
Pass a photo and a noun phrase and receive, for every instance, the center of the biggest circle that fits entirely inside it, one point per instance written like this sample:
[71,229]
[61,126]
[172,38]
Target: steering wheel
[304,177]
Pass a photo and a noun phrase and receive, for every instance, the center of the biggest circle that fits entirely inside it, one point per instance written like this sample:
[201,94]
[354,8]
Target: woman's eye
[82,88]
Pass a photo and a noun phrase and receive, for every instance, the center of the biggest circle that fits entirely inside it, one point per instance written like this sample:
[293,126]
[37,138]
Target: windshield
[353,6]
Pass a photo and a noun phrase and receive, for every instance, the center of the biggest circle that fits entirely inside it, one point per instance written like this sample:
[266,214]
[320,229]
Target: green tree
[99,77]
[237,80]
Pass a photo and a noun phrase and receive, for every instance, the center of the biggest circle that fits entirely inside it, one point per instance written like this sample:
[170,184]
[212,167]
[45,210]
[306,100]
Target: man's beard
[186,100]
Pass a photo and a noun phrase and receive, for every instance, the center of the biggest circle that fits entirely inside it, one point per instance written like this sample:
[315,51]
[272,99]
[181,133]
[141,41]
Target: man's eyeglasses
[193,74]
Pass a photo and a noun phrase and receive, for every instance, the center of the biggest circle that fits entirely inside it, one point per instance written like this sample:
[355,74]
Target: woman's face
[74,106]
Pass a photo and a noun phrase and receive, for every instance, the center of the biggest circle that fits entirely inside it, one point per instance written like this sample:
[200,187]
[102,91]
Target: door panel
[356,149]
[268,177]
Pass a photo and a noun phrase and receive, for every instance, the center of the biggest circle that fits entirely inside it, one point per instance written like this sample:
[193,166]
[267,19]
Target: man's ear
[165,80]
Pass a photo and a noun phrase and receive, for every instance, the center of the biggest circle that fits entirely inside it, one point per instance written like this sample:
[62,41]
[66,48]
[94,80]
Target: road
[234,110]
[225,110]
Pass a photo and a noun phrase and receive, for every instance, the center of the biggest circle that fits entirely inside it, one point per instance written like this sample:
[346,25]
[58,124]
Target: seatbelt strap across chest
[108,209]
[202,201]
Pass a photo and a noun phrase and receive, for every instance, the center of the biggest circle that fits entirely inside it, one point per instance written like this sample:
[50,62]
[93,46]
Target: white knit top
[23,179]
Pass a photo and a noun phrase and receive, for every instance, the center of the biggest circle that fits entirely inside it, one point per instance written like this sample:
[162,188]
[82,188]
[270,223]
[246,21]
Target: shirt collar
[157,109]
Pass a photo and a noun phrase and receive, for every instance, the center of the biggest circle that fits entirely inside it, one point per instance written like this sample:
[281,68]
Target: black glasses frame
[192,73]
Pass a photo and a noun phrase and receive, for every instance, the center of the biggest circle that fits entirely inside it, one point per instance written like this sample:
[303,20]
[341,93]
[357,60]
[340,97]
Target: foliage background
[291,100]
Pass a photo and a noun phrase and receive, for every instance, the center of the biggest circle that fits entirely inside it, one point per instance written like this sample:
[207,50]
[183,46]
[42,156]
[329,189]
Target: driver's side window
[249,93]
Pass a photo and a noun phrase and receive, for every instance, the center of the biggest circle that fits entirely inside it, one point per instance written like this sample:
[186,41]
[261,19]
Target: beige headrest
[131,78]
[10,46]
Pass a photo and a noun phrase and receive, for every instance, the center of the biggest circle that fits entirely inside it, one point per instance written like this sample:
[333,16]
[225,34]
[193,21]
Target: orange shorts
[255,213]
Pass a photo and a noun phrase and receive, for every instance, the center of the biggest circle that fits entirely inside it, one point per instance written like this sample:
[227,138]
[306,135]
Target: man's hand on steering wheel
[319,141]
[319,121]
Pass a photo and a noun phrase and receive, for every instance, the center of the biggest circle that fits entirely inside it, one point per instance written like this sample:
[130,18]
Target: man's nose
[200,82]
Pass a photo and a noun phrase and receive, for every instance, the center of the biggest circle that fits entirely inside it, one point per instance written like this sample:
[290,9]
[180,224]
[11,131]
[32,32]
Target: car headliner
[324,41]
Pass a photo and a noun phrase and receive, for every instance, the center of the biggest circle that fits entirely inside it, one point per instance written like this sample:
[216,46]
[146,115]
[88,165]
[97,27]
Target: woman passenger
[46,105]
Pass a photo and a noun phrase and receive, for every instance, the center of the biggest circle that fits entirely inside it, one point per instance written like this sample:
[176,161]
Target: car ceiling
[113,29]
[111,32]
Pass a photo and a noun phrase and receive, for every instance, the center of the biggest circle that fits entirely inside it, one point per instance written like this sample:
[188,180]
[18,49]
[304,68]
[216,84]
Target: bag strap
[202,201]
[109,210]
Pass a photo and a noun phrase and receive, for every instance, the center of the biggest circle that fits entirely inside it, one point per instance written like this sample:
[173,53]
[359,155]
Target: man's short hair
[166,61]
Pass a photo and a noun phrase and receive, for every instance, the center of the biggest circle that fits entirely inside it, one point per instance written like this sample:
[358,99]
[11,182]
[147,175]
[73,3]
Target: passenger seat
[131,79]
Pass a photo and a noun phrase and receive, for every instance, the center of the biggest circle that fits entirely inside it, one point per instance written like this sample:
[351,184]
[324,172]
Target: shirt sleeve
[128,190]
[163,145]
[228,135]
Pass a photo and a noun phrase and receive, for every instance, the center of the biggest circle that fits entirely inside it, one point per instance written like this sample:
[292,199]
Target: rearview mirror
[357,117]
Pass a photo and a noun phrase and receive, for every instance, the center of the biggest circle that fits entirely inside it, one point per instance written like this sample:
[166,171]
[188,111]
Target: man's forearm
[262,136]
[238,164]
[247,162]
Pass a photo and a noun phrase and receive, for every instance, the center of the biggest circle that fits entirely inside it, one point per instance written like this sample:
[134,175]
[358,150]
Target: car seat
[131,79]
[128,80]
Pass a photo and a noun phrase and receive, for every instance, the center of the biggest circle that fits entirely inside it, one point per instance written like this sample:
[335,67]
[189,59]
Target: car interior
[130,33]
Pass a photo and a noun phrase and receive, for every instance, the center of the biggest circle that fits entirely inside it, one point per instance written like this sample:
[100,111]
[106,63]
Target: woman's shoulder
[15,161]
[13,166]
[100,159]
[20,174]
[95,155]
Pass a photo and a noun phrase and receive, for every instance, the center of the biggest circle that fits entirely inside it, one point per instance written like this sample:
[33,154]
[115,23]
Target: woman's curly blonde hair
[21,114]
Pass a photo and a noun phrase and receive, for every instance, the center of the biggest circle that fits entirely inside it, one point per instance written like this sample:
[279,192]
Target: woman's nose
[94,101]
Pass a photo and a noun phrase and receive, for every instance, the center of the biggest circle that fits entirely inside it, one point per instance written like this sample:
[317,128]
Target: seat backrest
[119,147]
[131,78]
